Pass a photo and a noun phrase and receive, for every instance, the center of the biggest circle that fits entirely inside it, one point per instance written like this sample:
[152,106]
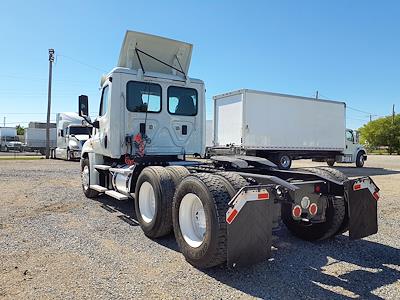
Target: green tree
[20,130]
[382,132]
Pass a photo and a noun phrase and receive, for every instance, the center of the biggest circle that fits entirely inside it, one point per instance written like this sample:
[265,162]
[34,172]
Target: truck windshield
[79,130]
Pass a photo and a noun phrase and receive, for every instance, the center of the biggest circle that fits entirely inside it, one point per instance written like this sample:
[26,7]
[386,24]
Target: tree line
[383,132]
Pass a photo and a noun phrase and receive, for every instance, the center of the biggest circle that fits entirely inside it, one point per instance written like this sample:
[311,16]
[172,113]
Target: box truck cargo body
[35,139]
[283,127]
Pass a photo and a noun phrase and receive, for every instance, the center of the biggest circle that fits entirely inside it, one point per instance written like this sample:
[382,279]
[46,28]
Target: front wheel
[85,177]
[360,160]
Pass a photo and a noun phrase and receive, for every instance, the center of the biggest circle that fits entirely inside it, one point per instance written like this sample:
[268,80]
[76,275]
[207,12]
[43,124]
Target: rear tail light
[317,188]
[313,209]
[296,211]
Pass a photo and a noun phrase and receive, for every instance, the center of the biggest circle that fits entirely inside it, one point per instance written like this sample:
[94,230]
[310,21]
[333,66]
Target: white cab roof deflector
[174,53]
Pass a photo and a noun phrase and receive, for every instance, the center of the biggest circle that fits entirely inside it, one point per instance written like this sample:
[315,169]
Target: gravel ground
[55,243]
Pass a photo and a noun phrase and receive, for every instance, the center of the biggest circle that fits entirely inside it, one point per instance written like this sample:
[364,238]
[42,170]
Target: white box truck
[72,133]
[35,139]
[9,140]
[284,127]
[152,118]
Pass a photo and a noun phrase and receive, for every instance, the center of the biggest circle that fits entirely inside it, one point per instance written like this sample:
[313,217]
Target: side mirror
[83,105]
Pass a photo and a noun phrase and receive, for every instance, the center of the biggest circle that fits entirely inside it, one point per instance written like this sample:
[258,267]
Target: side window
[182,101]
[143,96]
[349,136]
[104,101]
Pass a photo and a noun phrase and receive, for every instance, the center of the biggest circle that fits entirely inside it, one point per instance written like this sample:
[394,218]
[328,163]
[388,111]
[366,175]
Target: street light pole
[51,60]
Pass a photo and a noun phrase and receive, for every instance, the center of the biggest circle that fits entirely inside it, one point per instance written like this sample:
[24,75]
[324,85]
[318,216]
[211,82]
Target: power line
[82,63]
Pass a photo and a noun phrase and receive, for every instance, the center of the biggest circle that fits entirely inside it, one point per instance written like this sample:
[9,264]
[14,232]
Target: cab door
[102,136]
[351,145]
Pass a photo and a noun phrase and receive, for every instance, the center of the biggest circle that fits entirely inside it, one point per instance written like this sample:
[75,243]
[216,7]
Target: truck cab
[72,132]
[354,151]
[148,107]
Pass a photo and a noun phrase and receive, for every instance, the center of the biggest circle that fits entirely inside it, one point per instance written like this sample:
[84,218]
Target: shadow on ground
[366,171]
[334,269]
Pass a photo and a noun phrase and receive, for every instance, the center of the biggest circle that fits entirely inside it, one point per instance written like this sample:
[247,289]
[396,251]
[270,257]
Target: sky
[347,50]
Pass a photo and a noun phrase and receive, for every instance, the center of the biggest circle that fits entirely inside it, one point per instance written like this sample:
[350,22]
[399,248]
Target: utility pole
[51,60]
[316,95]
[393,114]
[370,118]
[4,121]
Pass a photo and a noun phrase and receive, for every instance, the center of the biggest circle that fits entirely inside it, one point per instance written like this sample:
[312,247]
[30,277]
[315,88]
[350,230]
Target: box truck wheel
[85,177]
[177,173]
[283,161]
[153,201]
[199,219]
[330,162]
[360,159]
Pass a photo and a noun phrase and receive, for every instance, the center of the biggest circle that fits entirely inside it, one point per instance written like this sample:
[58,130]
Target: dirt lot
[55,243]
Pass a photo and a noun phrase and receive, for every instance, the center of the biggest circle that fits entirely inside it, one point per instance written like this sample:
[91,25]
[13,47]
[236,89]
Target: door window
[182,101]
[349,136]
[104,101]
[143,97]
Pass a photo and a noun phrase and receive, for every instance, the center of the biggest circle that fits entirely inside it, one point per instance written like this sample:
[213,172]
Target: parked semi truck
[282,128]
[9,140]
[152,119]
[35,139]
[72,133]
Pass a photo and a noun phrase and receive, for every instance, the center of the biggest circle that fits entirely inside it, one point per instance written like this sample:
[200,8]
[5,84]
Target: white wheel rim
[85,177]
[192,220]
[147,202]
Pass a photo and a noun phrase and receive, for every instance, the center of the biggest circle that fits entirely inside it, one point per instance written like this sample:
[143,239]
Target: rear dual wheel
[336,213]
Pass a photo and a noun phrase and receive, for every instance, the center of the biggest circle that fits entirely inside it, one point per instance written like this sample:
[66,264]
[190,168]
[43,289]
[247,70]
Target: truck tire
[153,201]
[339,176]
[283,161]
[177,173]
[199,219]
[330,162]
[234,182]
[85,178]
[335,214]
[360,159]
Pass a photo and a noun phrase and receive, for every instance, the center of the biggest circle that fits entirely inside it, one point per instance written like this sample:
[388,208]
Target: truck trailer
[283,127]
[151,122]
[72,133]
[9,140]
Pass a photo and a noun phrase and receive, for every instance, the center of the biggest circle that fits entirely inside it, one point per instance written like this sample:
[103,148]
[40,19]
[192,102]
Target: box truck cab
[9,140]
[72,132]
[151,118]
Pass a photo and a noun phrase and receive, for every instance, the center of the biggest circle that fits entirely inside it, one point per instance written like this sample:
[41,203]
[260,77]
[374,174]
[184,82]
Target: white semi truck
[284,127]
[72,133]
[152,120]
[9,140]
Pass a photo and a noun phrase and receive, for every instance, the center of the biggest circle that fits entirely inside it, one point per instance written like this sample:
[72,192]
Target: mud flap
[249,222]
[362,195]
